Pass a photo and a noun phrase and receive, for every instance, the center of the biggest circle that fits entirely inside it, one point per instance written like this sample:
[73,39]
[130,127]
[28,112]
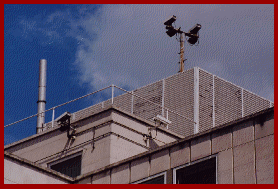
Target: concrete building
[192,127]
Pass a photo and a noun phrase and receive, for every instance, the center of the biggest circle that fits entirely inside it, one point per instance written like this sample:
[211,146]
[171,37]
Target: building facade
[217,133]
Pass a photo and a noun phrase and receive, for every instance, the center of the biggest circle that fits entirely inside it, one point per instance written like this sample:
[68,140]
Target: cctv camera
[65,116]
[170,20]
[195,29]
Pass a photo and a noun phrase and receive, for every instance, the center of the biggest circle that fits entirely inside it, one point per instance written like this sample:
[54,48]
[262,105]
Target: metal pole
[42,94]
[181,52]
[53,116]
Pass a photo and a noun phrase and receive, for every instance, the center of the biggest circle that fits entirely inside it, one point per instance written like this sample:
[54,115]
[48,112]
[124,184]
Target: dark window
[199,173]
[157,180]
[70,167]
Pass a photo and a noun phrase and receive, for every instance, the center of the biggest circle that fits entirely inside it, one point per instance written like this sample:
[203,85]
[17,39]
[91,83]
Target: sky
[89,47]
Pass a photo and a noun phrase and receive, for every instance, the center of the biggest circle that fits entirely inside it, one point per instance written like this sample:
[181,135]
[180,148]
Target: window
[70,166]
[201,172]
[156,179]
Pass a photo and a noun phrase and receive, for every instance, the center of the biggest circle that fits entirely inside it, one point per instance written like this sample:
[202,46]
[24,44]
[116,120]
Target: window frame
[194,162]
[65,159]
[152,177]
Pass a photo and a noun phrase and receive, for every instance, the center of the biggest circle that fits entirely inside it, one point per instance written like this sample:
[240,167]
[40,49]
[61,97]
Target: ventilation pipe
[42,94]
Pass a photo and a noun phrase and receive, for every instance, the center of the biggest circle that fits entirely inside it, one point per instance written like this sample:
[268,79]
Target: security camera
[195,29]
[171,31]
[170,21]
[161,121]
[64,121]
[193,34]
[62,118]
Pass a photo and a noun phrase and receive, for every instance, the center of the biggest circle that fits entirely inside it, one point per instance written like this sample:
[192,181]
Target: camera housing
[193,34]
[63,117]
[64,121]
[170,21]
[171,31]
[195,29]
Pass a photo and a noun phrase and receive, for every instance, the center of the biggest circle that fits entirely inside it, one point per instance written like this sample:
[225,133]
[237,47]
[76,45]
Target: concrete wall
[19,173]
[51,142]
[244,150]
[245,155]
[46,146]
[135,128]
[103,139]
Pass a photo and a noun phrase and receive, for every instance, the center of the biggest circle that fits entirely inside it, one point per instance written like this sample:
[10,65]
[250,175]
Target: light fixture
[171,31]
[170,21]
[193,34]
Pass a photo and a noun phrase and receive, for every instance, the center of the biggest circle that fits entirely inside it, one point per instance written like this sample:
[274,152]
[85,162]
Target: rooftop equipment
[192,34]
[64,123]
[161,121]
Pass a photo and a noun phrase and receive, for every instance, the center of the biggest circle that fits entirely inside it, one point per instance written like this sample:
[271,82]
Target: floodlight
[170,21]
[193,39]
[171,31]
[195,29]
[193,34]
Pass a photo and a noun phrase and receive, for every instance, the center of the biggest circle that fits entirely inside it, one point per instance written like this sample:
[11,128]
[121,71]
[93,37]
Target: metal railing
[165,109]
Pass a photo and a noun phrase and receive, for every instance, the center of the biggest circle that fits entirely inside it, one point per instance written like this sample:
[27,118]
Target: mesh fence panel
[123,102]
[49,125]
[179,97]
[180,125]
[228,104]
[145,109]
[253,103]
[87,111]
[205,100]
[81,114]
[107,103]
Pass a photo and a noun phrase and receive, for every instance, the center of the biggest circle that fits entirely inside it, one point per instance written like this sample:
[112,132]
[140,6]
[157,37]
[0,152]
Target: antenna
[193,35]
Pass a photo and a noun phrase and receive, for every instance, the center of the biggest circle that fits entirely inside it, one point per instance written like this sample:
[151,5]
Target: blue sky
[89,47]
